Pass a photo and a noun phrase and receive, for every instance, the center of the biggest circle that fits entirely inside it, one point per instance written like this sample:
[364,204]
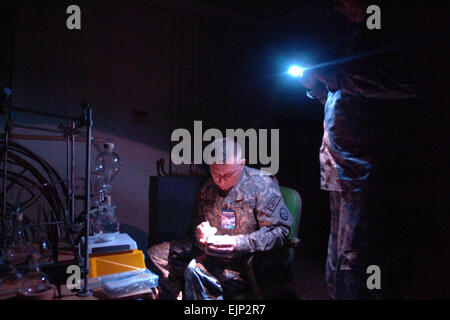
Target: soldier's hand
[154,294]
[204,230]
[309,79]
[222,246]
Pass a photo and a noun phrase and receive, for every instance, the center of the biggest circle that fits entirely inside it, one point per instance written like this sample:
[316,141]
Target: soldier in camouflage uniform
[357,98]
[246,208]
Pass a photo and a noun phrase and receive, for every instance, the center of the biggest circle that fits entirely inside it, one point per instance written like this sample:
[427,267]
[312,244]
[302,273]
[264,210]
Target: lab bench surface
[9,288]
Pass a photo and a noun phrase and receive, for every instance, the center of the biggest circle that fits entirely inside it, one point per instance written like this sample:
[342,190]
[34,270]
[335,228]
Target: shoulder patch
[284,214]
[273,202]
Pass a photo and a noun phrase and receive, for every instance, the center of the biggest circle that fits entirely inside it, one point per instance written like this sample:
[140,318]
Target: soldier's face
[226,176]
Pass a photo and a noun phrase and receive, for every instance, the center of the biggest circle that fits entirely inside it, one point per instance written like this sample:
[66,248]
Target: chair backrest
[293,202]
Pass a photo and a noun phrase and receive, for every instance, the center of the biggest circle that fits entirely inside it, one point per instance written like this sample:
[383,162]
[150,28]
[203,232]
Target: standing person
[358,97]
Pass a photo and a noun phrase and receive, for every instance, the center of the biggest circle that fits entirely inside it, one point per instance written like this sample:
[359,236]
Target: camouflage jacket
[357,97]
[262,220]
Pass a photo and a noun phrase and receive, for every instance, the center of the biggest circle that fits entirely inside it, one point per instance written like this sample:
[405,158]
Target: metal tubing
[43,113]
[72,176]
[37,128]
[43,138]
[88,119]
[68,149]
[5,157]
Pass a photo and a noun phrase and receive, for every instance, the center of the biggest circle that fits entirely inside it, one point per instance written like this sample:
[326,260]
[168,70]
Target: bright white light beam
[296,71]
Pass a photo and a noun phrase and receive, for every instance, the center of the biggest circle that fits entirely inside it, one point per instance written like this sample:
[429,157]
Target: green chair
[273,286]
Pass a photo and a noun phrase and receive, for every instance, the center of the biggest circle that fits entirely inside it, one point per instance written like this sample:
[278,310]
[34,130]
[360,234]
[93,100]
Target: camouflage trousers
[182,266]
[210,278]
[351,245]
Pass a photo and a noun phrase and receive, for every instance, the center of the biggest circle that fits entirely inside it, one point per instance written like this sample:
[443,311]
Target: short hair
[226,150]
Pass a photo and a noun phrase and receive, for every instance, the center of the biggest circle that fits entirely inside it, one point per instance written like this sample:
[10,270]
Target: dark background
[149,67]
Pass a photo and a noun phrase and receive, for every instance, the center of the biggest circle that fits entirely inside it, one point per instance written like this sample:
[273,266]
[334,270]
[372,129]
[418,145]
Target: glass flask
[34,281]
[106,226]
[18,245]
[107,164]
[34,275]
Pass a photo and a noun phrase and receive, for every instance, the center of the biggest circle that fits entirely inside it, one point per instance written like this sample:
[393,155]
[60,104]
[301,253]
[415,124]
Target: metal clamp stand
[7,93]
[5,172]
[87,113]
[70,134]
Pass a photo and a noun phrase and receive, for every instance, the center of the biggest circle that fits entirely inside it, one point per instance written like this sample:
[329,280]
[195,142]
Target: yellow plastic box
[102,264]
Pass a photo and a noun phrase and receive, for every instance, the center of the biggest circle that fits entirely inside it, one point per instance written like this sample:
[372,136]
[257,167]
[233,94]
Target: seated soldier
[238,211]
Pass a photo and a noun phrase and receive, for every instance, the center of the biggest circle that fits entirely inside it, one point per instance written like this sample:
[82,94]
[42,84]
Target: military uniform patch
[273,202]
[284,214]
